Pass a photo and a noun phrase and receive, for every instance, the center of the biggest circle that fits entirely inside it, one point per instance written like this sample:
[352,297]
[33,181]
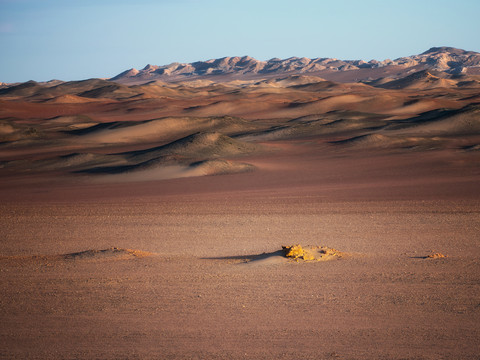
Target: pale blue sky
[79,39]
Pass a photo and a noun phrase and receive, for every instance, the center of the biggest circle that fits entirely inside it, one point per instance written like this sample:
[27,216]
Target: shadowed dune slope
[427,79]
[198,151]
[161,129]
[376,141]
[464,121]
[198,145]
[420,80]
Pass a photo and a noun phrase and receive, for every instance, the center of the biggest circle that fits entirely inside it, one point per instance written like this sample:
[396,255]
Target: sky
[43,40]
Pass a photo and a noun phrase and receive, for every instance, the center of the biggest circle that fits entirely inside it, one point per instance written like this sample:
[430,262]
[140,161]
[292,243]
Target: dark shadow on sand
[248,258]
[428,257]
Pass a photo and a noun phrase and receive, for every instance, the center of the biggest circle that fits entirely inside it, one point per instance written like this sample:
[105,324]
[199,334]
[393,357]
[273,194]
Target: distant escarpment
[444,59]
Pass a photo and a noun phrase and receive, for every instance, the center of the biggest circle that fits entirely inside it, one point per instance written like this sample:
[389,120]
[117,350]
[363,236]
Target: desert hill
[427,79]
[208,115]
[446,59]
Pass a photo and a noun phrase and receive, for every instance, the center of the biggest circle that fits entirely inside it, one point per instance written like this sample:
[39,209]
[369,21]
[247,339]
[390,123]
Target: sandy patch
[311,253]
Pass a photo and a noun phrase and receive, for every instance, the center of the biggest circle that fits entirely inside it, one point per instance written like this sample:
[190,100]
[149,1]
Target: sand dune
[26,89]
[419,81]
[113,91]
[375,141]
[67,99]
[198,145]
[310,128]
[36,91]
[77,161]
[468,83]
[236,107]
[71,123]
[96,135]
[11,130]
[191,155]
[417,106]
[156,89]
[330,86]
[219,167]
[163,169]
[464,121]
[428,79]
[291,81]
[159,130]
[187,156]
[331,103]
[196,151]
[210,178]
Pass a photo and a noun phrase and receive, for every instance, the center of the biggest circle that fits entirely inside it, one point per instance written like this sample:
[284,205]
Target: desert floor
[197,271]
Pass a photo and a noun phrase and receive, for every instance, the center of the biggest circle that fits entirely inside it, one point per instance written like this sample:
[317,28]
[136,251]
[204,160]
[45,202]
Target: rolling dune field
[146,220]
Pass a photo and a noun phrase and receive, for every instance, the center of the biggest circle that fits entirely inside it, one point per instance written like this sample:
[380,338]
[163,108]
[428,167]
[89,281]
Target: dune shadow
[249,258]
[430,256]
[103,126]
[125,168]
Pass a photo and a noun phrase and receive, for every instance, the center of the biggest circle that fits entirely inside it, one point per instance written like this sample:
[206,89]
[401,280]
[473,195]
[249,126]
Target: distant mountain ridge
[440,67]
[445,59]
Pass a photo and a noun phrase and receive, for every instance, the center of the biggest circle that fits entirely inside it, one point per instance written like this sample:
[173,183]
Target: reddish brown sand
[204,276]
[205,293]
